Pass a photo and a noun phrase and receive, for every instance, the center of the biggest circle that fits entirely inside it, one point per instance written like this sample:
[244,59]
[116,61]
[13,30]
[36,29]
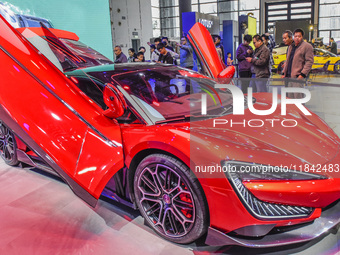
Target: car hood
[311,142]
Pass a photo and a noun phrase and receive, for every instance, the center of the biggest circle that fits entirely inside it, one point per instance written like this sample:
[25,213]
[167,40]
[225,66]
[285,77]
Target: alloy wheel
[166,200]
[7,146]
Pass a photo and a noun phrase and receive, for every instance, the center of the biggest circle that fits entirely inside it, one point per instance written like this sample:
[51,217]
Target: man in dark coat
[165,41]
[165,56]
[219,47]
[300,59]
[260,61]
[334,47]
[243,51]
[120,57]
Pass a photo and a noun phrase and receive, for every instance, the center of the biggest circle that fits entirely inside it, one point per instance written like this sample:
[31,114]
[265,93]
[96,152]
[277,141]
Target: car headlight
[237,172]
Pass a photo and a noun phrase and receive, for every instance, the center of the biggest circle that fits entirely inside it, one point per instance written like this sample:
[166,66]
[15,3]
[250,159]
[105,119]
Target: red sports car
[136,134]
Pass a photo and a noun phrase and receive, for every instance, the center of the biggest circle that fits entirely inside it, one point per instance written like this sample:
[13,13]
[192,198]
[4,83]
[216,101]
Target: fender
[147,145]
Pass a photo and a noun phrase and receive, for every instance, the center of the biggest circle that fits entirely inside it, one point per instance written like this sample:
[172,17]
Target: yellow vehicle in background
[321,57]
[279,57]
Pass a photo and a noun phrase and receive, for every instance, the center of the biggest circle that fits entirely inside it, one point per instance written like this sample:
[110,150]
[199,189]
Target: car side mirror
[115,102]
[227,73]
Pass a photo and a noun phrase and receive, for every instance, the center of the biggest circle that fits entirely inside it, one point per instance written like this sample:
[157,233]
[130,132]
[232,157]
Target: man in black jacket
[165,41]
[219,47]
[120,56]
[165,56]
[260,61]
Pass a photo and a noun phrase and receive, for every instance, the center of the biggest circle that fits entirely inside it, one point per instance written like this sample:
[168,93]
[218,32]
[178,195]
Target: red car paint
[71,133]
[59,33]
[63,142]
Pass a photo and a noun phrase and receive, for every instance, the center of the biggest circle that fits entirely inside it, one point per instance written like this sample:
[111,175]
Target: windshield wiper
[176,118]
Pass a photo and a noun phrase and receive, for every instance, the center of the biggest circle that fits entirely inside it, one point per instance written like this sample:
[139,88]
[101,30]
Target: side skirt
[117,189]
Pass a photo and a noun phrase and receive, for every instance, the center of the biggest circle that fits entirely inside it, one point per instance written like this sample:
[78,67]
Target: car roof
[326,51]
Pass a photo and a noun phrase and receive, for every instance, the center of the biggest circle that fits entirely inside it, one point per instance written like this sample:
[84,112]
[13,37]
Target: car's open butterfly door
[48,112]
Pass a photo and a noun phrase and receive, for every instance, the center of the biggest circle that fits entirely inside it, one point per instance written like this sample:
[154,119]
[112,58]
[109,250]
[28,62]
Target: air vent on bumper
[263,209]
[238,172]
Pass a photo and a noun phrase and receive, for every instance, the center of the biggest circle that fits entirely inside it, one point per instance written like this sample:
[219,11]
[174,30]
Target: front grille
[264,209]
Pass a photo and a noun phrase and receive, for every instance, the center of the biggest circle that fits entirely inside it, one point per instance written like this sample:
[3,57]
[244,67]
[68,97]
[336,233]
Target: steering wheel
[168,93]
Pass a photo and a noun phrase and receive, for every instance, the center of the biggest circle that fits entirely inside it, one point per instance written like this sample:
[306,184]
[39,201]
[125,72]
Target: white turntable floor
[39,214]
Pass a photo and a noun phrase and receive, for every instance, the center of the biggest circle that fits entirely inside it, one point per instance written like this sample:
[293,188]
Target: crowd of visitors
[253,61]
[258,63]
[160,51]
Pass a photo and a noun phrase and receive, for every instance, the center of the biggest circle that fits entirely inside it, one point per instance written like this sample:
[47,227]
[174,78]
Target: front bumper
[328,219]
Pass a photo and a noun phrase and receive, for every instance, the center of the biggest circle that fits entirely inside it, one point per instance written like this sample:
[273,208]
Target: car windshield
[66,54]
[325,53]
[173,93]
[280,50]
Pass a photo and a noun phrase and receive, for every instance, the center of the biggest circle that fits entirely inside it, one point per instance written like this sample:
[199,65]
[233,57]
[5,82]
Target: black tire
[337,67]
[171,199]
[8,146]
